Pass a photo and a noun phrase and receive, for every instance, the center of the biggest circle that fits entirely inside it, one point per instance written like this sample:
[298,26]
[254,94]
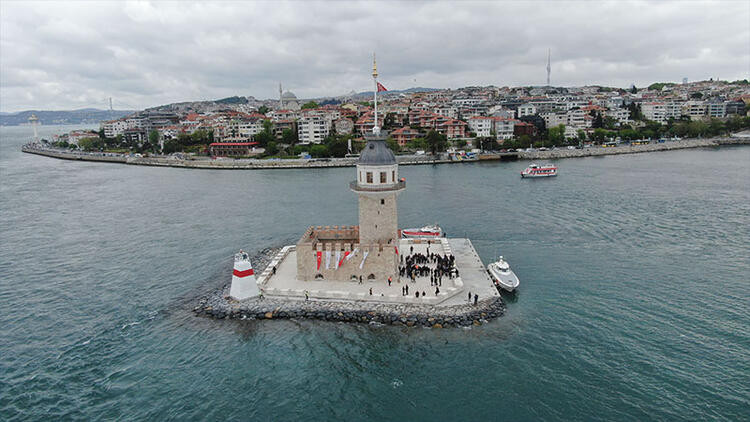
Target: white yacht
[502,275]
[429,232]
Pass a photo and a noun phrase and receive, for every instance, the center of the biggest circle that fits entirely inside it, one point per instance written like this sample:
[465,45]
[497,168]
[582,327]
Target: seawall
[254,164]
[629,149]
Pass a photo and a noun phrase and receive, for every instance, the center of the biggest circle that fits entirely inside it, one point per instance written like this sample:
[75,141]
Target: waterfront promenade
[257,164]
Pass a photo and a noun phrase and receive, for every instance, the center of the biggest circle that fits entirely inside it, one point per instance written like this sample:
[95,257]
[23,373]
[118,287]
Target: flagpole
[375,127]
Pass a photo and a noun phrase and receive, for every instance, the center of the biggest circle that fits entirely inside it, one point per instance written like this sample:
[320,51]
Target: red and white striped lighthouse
[243,278]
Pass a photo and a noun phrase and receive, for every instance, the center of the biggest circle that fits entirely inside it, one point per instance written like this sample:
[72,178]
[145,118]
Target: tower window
[382,202]
[393,176]
[369,177]
[382,176]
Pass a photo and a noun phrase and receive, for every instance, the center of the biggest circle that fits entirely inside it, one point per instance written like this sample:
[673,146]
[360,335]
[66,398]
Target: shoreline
[254,164]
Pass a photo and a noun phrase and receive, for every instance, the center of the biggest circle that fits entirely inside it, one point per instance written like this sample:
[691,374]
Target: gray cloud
[77,54]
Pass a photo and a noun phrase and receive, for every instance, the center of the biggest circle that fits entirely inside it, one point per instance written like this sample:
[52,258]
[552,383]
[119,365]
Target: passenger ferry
[534,170]
[433,231]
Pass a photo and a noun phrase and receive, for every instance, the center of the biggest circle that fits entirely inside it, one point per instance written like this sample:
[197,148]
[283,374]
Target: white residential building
[481,126]
[555,119]
[718,109]
[526,110]
[695,109]
[504,128]
[654,111]
[622,115]
[312,129]
[114,128]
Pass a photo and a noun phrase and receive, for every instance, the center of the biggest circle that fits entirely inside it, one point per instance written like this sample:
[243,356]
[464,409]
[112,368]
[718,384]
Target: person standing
[437,291]
[370,291]
[469,297]
[476,297]
[307,296]
[389,280]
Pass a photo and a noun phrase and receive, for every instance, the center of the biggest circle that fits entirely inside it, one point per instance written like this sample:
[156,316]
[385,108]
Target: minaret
[34,122]
[549,68]
[375,127]
[281,98]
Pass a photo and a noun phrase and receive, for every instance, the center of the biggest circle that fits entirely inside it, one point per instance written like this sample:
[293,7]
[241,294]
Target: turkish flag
[381,88]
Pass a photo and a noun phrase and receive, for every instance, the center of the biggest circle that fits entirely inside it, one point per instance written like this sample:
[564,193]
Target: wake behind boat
[429,232]
[502,275]
[535,170]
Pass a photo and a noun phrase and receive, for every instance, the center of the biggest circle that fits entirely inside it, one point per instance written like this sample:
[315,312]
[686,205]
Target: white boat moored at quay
[502,275]
[430,232]
[535,170]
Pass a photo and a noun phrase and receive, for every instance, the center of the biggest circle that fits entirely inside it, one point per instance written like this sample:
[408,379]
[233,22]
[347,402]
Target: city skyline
[145,54]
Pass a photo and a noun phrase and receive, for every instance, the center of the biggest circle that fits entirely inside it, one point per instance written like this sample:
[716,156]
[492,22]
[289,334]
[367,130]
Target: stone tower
[377,185]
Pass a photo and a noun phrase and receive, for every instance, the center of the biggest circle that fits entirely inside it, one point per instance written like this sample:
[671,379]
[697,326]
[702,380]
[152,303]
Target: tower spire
[375,127]
[281,98]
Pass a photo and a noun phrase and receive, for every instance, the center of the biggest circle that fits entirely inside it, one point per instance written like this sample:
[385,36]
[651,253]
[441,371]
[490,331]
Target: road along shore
[255,164]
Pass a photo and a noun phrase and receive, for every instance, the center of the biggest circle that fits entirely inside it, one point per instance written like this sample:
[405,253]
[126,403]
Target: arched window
[371,277]
[319,276]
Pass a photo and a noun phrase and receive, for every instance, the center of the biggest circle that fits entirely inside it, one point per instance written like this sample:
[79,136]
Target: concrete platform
[473,278]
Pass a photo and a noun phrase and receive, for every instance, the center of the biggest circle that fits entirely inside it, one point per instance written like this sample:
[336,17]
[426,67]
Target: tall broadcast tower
[549,68]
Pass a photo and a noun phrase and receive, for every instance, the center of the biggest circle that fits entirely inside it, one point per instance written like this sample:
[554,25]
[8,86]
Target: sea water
[634,301]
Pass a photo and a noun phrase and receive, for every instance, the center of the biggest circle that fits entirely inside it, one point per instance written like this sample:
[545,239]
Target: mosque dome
[376,153]
[289,95]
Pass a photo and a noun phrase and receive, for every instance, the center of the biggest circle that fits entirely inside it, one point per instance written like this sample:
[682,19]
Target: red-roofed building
[405,135]
[234,149]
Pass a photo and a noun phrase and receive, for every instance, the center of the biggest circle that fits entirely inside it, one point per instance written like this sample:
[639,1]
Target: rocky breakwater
[220,306]
[217,304]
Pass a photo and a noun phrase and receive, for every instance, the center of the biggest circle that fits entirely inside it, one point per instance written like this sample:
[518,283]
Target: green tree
[556,135]
[289,137]
[417,144]
[581,135]
[523,141]
[696,95]
[633,90]
[310,104]
[436,142]
[337,145]
[171,145]
[272,148]
[90,144]
[393,144]
[153,138]
[635,111]
[319,151]
[263,109]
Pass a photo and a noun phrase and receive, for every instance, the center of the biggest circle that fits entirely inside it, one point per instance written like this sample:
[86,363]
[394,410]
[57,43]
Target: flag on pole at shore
[381,88]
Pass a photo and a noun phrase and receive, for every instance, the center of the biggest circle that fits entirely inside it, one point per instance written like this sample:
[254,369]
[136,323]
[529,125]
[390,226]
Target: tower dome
[376,153]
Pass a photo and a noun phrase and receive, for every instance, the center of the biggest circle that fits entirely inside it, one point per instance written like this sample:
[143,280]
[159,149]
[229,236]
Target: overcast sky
[77,54]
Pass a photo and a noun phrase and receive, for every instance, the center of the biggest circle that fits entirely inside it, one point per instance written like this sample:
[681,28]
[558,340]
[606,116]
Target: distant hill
[398,91]
[62,117]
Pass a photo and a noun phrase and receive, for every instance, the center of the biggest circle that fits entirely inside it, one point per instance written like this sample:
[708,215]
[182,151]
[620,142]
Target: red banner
[343,258]
[396,249]
[319,256]
[381,88]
